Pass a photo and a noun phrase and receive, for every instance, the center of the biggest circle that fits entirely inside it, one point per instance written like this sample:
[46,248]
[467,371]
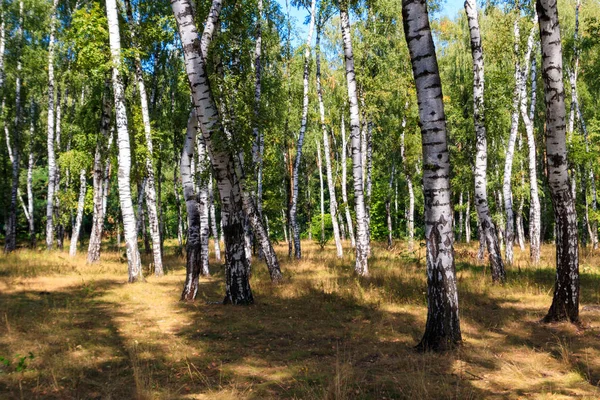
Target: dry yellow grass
[323,334]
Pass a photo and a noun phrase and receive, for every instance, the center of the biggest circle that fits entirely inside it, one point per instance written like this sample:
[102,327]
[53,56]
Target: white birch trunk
[344,184]
[150,184]
[487,228]
[300,144]
[213,220]
[202,170]
[50,141]
[388,208]
[321,191]
[442,329]
[460,217]
[565,303]
[468,220]
[79,218]
[127,212]
[362,231]
[410,212]
[330,182]
[30,165]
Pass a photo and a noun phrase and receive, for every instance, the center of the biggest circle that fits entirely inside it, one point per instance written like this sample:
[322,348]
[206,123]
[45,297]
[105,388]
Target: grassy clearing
[323,334]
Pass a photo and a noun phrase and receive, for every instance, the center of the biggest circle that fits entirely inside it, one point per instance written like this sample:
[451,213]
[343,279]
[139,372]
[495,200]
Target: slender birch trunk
[101,160]
[468,220]
[300,144]
[442,330]
[487,228]
[460,217]
[60,229]
[213,220]
[178,202]
[51,155]
[202,169]
[194,253]
[258,143]
[565,303]
[388,208]
[30,165]
[10,243]
[362,230]
[150,188]
[326,150]
[344,184]
[410,214]
[129,226]
[79,219]
[321,191]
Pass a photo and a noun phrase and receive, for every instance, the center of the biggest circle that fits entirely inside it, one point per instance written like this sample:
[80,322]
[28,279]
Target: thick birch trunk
[79,218]
[193,264]
[333,207]
[50,141]
[565,303]
[362,231]
[300,144]
[127,212]
[344,184]
[202,179]
[101,160]
[150,188]
[487,228]
[442,330]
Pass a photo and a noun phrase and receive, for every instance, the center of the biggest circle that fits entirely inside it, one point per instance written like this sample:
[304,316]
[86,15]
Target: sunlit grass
[322,334]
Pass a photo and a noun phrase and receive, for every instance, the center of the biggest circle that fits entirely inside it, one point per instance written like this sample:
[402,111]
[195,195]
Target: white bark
[487,228]
[344,184]
[50,142]
[150,188]
[300,144]
[127,212]
[79,219]
[410,212]
[362,231]
[321,191]
[565,303]
[468,220]
[443,325]
[213,220]
[201,171]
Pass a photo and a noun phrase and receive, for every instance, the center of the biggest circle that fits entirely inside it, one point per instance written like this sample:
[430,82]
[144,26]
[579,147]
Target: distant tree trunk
[258,143]
[460,217]
[51,155]
[193,264]
[150,183]
[344,184]
[321,191]
[388,209]
[213,220]
[10,243]
[362,229]
[565,303]
[330,182]
[468,220]
[79,219]
[442,330]
[129,226]
[30,165]
[60,229]
[487,228]
[178,201]
[300,144]
[410,214]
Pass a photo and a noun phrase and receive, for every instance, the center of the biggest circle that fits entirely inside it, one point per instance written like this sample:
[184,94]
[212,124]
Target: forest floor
[73,331]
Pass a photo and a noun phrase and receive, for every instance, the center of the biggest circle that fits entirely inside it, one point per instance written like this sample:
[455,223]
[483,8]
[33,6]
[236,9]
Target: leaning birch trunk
[10,243]
[213,220]
[362,234]
[101,159]
[326,150]
[534,198]
[237,268]
[488,230]
[202,169]
[193,263]
[50,141]
[300,144]
[565,303]
[344,185]
[442,329]
[127,212]
[79,218]
[150,188]
[509,235]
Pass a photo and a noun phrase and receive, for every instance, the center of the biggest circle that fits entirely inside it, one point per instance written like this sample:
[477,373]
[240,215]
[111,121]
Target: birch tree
[442,330]
[79,219]
[127,212]
[481,198]
[344,157]
[565,302]
[362,234]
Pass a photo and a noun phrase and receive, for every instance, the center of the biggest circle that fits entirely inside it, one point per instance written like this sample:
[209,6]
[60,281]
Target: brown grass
[323,334]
